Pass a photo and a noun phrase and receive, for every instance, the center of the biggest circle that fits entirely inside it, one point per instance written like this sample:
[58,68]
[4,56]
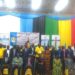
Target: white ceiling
[47,7]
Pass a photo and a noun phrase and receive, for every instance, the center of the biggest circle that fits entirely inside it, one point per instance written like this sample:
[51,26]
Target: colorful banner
[51,27]
[45,40]
[13,38]
[65,32]
[23,37]
[55,41]
[5,38]
[73,31]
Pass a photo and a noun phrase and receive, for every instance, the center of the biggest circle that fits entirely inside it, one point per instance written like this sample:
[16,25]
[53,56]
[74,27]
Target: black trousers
[1,62]
[74,59]
[41,69]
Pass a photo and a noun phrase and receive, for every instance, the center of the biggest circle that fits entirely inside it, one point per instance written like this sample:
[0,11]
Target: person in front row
[57,66]
[17,62]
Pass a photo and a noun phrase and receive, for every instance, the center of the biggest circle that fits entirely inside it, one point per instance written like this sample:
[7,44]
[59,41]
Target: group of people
[41,60]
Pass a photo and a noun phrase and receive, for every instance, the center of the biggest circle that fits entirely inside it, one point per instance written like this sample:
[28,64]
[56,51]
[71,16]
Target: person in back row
[39,50]
[7,55]
[13,52]
[26,53]
[2,51]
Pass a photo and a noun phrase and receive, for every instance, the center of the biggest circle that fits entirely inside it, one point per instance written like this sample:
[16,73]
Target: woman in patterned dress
[57,66]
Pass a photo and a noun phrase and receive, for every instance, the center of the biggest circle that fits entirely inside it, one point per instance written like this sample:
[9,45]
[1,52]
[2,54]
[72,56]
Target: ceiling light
[61,4]
[10,3]
[36,4]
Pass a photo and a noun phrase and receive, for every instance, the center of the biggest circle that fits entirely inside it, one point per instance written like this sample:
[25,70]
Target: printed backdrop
[55,41]
[23,37]
[4,38]
[45,40]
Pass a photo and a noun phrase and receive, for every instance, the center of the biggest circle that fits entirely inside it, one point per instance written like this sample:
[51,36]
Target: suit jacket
[12,54]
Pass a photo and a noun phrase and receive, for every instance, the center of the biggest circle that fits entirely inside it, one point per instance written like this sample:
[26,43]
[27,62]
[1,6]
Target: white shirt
[8,52]
[73,51]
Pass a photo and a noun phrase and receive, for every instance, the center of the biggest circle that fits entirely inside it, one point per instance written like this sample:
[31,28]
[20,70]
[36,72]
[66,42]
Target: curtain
[51,27]
[73,31]
[26,25]
[39,25]
[65,32]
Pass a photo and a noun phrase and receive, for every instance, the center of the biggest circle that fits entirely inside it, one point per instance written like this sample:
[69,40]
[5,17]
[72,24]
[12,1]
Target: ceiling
[47,7]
